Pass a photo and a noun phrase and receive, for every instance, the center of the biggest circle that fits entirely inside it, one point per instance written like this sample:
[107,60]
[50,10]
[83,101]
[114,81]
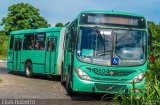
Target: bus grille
[114,72]
[122,73]
[111,79]
[111,88]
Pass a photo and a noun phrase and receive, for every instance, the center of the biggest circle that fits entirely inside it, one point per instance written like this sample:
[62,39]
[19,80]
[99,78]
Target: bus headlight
[81,74]
[138,78]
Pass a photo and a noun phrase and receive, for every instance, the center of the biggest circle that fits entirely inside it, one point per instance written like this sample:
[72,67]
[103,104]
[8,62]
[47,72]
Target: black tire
[70,91]
[28,69]
[68,87]
[9,72]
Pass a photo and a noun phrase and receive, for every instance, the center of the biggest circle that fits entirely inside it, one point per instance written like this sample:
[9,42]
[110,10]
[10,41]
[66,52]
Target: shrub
[151,95]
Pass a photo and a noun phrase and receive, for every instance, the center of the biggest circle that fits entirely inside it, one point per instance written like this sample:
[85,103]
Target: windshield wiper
[124,35]
[99,35]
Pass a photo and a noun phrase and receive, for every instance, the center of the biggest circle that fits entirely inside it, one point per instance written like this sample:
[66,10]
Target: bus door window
[51,45]
[54,44]
[18,45]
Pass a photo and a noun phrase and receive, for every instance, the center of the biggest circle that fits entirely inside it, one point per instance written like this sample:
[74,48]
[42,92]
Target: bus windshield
[129,46]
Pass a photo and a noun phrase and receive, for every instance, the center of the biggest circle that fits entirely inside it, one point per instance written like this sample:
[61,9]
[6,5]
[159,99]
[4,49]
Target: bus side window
[39,41]
[11,42]
[28,42]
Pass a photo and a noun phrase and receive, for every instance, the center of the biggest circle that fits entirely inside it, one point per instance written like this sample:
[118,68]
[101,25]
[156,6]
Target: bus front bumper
[80,85]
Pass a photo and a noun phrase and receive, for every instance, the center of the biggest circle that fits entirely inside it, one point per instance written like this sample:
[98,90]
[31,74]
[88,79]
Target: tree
[3,37]
[59,25]
[3,44]
[152,27]
[155,30]
[23,16]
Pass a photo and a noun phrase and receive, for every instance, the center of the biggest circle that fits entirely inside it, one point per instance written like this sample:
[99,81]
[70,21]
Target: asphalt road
[43,90]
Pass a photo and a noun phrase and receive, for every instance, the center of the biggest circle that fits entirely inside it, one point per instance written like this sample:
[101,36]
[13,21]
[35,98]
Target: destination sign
[112,19]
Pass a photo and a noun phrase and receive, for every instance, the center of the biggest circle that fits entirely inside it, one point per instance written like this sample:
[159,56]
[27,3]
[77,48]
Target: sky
[66,10]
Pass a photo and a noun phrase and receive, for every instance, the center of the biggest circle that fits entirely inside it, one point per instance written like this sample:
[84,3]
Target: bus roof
[110,12]
[49,29]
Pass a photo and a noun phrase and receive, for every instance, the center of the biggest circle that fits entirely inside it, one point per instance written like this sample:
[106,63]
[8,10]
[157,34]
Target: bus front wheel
[28,70]
[68,86]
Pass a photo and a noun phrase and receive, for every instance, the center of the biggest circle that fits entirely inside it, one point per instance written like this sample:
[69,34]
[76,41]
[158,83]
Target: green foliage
[3,44]
[151,95]
[59,25]
[155,30]
[2,37]
[23,16]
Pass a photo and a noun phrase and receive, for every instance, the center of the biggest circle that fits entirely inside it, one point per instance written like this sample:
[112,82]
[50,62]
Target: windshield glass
[102,46]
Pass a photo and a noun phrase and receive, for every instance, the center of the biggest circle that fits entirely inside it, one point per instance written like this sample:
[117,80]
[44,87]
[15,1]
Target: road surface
[41,89]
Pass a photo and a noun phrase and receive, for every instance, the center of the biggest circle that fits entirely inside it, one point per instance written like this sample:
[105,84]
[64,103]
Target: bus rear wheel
[28,70]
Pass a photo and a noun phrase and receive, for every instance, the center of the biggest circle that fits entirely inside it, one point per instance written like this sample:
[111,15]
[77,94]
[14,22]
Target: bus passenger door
[17,54]
[51,55]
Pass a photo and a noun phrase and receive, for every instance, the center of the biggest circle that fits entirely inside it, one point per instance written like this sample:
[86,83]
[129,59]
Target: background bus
[105,51]
[36,51]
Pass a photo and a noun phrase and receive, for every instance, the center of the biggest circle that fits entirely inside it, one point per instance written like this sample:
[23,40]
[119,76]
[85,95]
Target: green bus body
[85,72]
[37,48]
[100,51]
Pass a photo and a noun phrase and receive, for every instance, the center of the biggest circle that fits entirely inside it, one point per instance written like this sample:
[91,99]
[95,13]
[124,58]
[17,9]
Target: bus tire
[68,87]
[28,69]
[9,72]
[70,91]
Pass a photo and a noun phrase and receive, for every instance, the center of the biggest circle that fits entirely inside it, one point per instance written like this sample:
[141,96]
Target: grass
[151,95]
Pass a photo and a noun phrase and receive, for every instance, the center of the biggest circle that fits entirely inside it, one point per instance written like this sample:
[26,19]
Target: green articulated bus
[36,51]
[105,52]
[100,51]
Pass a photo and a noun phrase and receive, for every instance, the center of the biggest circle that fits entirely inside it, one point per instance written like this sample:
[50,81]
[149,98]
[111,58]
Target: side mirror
[70,48]
[73,36]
